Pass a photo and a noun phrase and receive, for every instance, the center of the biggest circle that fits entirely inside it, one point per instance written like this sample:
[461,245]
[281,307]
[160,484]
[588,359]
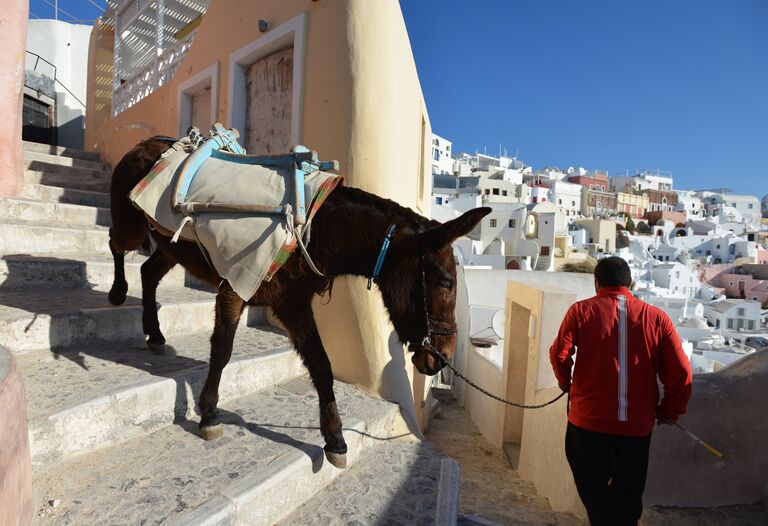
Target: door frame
[293,32]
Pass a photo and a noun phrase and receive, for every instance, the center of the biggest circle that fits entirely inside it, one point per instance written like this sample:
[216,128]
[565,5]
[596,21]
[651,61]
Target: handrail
[39,58]
[55,78]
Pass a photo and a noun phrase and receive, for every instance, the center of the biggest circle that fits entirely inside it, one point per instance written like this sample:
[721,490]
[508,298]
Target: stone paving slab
[36,237]
[56,380]
[47,211]
[42,192]
[65,177]
[29,146]
[93,271]
[394,483]
[31,157]
[754,515]
[31,320]
[153,479]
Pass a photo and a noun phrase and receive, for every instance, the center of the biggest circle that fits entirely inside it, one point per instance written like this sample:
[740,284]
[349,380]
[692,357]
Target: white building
[690,203]
[442,162]
[734,315]
[567,196]
[64,46]
[676,278]
[642,181]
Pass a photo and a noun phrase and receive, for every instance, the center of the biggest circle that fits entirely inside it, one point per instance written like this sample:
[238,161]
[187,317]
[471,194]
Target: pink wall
[13,43]
[753,288]
[16,504]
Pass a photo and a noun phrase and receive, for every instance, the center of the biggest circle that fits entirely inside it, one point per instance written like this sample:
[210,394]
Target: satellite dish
[497,323]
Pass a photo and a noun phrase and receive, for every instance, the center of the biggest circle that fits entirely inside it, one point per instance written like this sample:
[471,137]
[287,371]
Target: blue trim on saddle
[382,255]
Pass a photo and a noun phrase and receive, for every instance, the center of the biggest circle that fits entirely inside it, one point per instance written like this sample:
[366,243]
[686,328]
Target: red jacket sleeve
[561,352]
[674,373]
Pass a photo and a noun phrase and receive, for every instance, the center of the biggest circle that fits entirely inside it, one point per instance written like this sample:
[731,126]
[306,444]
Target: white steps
[59,151]
[113,427]
[269,462]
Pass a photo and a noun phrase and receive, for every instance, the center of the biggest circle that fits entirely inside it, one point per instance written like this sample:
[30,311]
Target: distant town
[700,255]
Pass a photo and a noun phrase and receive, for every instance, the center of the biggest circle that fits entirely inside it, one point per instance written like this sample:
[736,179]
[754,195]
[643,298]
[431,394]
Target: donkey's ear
[441,236]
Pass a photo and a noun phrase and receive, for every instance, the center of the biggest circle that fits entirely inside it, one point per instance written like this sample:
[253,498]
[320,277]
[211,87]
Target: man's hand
[663,420]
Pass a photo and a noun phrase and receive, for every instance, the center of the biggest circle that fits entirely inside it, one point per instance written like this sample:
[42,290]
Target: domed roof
[695,323]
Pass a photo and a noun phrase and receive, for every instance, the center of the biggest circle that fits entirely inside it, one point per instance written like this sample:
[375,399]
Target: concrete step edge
[141,408]
[62,160]
[260,498]
[61,151]
[30,332]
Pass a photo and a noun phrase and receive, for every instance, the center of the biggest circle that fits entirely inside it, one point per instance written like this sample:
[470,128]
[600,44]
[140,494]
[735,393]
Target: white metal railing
[150,77]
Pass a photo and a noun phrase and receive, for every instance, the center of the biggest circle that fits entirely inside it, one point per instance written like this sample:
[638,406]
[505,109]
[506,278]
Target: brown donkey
[417,282]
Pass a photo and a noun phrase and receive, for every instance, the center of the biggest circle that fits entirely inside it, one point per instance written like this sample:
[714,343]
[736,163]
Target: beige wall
[13,42]
[600,230]
[16,502]
[362,105]
[726,409]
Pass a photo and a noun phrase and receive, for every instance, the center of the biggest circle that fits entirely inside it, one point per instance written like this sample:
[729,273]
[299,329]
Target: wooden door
[201,110]
[269,87]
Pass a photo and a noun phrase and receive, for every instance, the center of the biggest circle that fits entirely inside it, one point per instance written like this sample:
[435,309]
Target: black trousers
[609,472]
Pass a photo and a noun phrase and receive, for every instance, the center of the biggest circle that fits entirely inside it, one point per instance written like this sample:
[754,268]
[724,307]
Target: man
[622,345]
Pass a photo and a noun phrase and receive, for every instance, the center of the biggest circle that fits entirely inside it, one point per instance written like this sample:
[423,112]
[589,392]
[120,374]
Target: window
[503,192]
[511,223]
[741,311]
[436,154]
[544,251]
[559,201]
[750,206]
[751,325]
[573,203]
[730,323]
[493,223]
[439,200]
[487,191]
[495,191]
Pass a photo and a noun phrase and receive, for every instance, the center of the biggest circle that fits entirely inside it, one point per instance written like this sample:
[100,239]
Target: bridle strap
[382,254]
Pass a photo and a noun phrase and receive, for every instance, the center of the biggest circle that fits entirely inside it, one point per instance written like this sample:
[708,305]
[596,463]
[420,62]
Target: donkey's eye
[446,284]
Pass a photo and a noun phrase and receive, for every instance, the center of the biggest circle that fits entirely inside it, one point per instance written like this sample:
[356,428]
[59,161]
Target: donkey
[417,283]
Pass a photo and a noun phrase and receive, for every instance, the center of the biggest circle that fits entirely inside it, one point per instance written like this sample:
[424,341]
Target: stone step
[77,180]
[88,397]
[268,463]
[395,483]
[52,319]
[21,237]
[94,271]
[48,211]
[32,159]
[62,151]
[56,194]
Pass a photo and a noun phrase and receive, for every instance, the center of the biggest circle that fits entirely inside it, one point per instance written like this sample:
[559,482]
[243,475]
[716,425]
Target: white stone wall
[66,46]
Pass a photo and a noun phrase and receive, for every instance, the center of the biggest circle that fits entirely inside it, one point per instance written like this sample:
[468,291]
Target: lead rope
[445,363]
[427,345]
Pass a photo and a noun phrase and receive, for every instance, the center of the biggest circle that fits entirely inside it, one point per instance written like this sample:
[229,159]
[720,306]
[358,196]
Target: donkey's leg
[229,308]
[119,286]
[300,322]
[152,271]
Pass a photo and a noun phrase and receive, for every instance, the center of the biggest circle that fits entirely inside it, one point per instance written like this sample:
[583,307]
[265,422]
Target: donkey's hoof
[156,347]
[117,293]
[212,432]
[337,460]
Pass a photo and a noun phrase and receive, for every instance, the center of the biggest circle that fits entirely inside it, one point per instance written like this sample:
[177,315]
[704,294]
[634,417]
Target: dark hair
[613,272]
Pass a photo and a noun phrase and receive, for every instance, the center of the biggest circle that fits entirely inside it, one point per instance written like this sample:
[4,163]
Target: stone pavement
[490,489]
[393,484]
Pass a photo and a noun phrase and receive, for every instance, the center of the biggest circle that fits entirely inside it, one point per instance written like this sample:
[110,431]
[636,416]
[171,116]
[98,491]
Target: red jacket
[622,344]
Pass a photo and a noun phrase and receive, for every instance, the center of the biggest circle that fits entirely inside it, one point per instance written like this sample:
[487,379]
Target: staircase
[113,429]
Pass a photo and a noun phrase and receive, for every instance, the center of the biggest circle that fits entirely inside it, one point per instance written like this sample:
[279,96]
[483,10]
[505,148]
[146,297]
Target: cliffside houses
[700,256]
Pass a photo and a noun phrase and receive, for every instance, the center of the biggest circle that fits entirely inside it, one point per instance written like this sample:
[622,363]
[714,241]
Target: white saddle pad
[244,248]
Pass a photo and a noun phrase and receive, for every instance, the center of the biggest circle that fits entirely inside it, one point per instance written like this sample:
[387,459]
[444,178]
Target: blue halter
[382,255]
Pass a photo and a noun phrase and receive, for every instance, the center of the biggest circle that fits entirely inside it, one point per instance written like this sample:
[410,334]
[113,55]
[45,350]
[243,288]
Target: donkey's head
[418,285]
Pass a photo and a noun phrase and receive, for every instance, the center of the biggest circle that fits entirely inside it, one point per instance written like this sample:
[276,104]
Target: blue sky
[678,85]
[612,85]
